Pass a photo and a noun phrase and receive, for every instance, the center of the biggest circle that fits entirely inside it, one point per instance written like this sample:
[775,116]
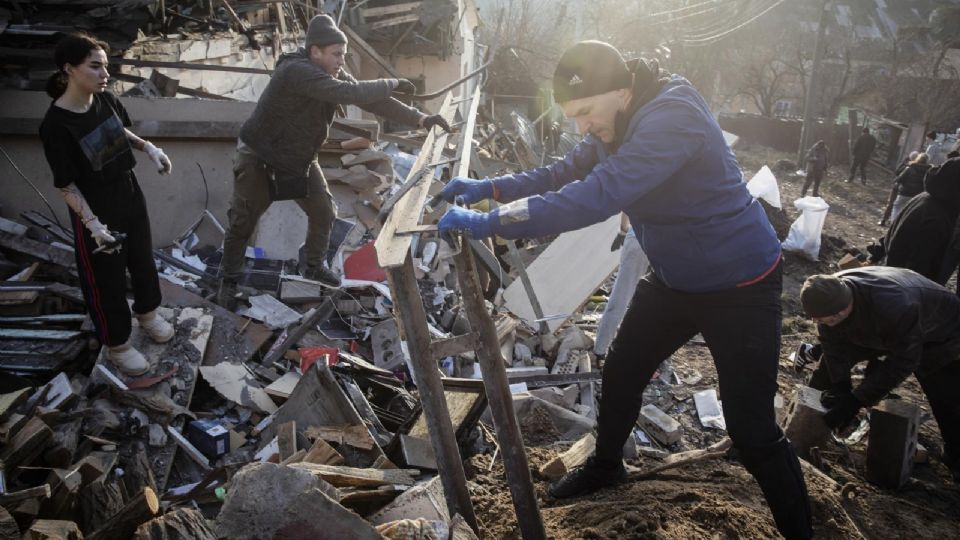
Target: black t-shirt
[89,149]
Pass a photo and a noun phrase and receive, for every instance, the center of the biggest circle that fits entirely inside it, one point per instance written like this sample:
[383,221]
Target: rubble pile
[303,386]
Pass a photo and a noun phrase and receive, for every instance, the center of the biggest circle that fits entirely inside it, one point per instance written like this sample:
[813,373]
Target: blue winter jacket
[675,178]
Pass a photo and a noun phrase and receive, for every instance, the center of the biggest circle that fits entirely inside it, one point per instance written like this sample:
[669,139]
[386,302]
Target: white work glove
[164,166]
[101,235]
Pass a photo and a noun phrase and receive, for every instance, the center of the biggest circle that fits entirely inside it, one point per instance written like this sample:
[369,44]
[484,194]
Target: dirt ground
[717,498]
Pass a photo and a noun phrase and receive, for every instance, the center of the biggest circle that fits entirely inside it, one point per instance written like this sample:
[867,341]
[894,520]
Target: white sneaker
[128,360]
[156,327]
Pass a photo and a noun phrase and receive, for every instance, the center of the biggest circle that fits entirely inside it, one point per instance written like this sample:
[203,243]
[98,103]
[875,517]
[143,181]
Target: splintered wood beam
[370,51]
[390,10]
[405,213]
[497,387]
[466,137]
[413,322]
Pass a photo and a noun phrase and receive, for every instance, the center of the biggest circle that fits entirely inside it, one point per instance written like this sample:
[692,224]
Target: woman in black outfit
[90,152]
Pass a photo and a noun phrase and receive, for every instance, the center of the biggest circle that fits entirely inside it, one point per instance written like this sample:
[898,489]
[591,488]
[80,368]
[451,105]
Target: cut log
[64,486]
[53,529]
[181,524]
[354,477]
[25,512]
[38,492]
[26,444]
[10,426]
[99,501]
[9,530]
[122,525]
[9,401]
[574,457]
[137,473]
[322,453]
[64,444]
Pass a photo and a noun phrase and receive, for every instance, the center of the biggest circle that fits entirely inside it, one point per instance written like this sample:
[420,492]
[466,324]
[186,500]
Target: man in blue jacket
[653,150]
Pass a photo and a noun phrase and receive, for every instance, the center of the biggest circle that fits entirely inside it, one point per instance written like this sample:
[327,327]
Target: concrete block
[805,426]
[193,50]
[660,425]
[892,444]
[219,48]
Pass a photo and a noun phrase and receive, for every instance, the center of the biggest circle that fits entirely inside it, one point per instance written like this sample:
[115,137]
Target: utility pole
[806,133]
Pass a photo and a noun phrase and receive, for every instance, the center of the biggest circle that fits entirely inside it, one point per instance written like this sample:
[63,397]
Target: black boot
[227,294]
[777,470]
[321,274]
[588,478]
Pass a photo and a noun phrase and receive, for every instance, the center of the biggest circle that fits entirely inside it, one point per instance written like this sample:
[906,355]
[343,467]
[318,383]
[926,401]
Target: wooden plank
[26,333]
[369,51]
[393,21]
[357,477]
[464,406]
[287,439]
[38,250]
[563,286]
[354,435]
[390,10]
[466,137]
[392,248]
[25,445]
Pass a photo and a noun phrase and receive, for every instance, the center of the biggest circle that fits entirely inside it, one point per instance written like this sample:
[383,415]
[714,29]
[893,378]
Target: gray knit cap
[323,31]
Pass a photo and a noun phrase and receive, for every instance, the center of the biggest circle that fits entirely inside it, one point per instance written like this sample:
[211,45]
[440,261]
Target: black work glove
[404,86]
[843,411]
[436,120]
[618,241]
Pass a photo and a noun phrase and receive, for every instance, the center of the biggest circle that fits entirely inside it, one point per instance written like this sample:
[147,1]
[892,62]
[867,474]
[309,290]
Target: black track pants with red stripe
[103,277]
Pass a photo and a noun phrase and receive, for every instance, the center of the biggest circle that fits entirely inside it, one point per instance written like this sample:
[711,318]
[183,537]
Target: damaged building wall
[226,48]
[174,201]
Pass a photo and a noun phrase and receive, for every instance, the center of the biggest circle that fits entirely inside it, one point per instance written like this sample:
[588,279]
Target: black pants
[741,327]
[103,277]
[813,177]
[860,163]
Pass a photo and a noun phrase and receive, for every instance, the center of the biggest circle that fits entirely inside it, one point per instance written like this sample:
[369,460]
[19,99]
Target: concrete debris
[660,425]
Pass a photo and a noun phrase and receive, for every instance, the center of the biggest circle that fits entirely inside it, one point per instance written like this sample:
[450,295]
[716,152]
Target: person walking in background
[818,159]
[862,150]
[907,185]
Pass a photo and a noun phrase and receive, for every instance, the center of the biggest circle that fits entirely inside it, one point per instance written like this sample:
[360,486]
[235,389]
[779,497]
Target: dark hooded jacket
[297,107]
[864,146]
[910,181]
[899,314]
[919,238]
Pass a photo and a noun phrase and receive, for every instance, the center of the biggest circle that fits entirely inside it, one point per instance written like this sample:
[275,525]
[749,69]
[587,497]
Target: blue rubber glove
[467,190]
[475,224]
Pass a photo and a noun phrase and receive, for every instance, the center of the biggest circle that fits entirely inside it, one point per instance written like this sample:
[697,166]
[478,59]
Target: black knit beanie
[824,295]
[323,31]
[589,68]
